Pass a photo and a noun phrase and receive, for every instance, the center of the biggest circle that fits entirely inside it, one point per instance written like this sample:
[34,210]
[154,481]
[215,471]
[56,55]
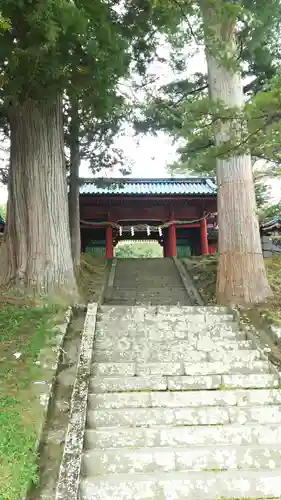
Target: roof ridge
[109,180]
[196,186]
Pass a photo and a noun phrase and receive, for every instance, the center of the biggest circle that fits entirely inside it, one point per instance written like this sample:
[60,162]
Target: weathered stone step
[184,436]
[178,345]
[160,314]
[145,298]
[185,399]
[168,331]
[154,283]
[131,288]
[168,310]
[159,336]
[147,460]
[205,344]
[188,318]
[241,381]
[181,368]
[173,314]
[238,484]
[164,291]
[182,383]
[170,356]
[205,415]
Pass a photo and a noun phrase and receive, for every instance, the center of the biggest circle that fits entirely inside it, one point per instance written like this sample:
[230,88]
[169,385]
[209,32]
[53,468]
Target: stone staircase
[181,407]
[147,281]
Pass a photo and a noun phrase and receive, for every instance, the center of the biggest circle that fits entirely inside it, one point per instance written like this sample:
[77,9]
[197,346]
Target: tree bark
[241,277]
[74,208]
[36,253]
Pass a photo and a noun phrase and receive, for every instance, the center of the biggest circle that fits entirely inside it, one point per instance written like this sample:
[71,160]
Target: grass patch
[204,274]
[273,306]
[25,330]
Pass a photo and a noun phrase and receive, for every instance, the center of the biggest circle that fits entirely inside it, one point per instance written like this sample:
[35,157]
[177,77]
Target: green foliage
[139,250]
[40,47]
[270,211]
[80,50]
[262,195]
[95,131]
[129,36]
[4,23]
[82,47]
[3,211]
[184,110]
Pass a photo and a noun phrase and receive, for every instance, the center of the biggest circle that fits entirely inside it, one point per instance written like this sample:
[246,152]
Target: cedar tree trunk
[74,208]
[36,253]
[241,275]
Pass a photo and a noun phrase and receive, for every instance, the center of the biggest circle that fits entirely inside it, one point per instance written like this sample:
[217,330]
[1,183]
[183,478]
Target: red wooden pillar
[172,247]
[109,242]
[165,243]
[204,237]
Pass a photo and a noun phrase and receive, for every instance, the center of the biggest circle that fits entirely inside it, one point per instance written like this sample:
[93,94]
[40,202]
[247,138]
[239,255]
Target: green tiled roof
[193,186]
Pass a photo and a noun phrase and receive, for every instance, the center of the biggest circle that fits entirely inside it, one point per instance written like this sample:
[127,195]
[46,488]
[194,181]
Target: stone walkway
[181,406]
[147,281]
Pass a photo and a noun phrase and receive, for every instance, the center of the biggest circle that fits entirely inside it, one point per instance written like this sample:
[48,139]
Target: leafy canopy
[183,107]
[55,42]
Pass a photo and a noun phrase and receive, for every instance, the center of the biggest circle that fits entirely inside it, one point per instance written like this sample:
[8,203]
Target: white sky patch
[3,195]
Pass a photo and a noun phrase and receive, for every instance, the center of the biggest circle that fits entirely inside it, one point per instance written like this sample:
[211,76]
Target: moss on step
[91,277]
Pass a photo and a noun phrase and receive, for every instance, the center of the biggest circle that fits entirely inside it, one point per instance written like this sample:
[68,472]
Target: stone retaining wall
[269,247]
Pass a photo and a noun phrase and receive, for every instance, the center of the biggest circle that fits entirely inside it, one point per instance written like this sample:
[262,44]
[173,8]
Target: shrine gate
[178,213]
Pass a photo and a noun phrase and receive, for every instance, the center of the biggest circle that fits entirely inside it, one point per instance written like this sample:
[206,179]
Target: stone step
[131,287]
[210,320]
[170,310]
[205,344]
[183,383]
[178,345]
[203,485]
[171,313]
[171,356]
[214,368]
[169,339]
[147,460]
[139,302]
[148,289]
[167,331]
[149,294]
[251,397]
[204,415]
[236,434]
[170,335]
[160,320]
[164,291]
[233,356]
